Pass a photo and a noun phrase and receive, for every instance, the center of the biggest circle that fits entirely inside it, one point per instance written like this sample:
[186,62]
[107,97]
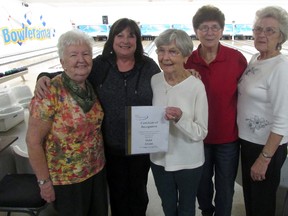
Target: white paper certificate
[148,131]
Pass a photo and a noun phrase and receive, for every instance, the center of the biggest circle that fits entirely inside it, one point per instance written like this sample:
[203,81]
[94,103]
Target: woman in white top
[177,172]
[262,113]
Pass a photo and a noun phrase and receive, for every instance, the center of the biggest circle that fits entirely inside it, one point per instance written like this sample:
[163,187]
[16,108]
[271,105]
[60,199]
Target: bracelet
[42,181]
[265,155]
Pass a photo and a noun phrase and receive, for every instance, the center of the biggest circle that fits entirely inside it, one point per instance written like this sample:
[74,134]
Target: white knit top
[185,149]
[263,99]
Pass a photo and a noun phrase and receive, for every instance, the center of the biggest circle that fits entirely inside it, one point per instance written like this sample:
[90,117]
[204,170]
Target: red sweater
[220,78]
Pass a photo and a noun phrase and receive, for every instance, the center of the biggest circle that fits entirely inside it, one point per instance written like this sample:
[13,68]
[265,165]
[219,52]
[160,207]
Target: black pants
[260,196]
[127,180]
[87,198]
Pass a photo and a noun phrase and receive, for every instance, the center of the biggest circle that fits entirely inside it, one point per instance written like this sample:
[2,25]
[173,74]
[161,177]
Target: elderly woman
[64,138]
[220,68]
[177,172]
[262,113]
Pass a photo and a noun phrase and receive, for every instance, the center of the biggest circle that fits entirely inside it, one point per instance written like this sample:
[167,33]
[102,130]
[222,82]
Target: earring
[279,46]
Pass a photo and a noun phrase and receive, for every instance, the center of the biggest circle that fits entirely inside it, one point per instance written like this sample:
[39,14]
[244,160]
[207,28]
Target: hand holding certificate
[147,131]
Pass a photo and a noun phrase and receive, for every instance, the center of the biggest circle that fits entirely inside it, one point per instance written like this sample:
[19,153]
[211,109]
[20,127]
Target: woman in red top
[220,68]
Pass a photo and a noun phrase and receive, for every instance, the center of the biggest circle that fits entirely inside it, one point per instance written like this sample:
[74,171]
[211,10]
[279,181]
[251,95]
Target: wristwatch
[265,155]
[42,181]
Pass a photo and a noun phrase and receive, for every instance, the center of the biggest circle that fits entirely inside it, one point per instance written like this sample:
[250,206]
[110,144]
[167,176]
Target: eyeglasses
[171,52]
[268,31]
[205,28]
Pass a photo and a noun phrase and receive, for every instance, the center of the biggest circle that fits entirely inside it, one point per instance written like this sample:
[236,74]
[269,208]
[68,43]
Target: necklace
[267,57]
[171,82]
[174,80]
[168,88]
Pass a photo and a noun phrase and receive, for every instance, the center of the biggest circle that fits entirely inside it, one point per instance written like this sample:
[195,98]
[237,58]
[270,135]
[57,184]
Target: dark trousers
[177,189]
[221,161]
[127,180]
[87,198]
[260,196]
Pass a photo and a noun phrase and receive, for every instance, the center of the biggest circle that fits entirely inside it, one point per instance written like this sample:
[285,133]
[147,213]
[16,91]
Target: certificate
[147,130]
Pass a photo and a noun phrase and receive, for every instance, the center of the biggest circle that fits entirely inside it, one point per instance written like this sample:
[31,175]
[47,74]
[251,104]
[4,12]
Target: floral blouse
[74,146]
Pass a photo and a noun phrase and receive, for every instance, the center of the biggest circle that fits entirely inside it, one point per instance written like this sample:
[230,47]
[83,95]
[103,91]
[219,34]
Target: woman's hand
[173,113]
[194,73]
[41,87]
[259,168]
[47,192]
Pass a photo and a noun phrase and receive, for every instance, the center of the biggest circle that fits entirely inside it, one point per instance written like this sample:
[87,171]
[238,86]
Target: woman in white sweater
[262,113]
[177,172]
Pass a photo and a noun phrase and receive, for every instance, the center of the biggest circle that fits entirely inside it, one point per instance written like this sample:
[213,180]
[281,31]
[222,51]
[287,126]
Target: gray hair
[182,40]
[280,15]
[73,37]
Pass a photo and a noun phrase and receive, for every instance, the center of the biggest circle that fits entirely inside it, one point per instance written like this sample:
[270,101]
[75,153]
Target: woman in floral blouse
[64,138]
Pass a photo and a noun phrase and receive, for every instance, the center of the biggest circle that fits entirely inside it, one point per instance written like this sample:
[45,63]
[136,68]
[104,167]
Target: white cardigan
[185,148]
